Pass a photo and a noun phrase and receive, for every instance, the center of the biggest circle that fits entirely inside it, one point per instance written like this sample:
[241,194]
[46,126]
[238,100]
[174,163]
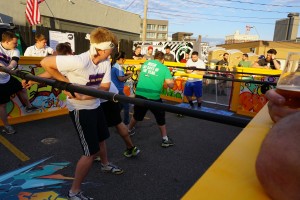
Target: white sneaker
[8,130]
[79,196]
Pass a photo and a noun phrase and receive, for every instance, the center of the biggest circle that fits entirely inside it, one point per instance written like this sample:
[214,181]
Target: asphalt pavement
[156,173]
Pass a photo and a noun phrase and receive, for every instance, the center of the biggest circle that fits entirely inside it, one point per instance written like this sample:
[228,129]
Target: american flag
[32,11]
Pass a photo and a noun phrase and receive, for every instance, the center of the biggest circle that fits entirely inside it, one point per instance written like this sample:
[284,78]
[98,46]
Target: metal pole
[145,20]
[230,120]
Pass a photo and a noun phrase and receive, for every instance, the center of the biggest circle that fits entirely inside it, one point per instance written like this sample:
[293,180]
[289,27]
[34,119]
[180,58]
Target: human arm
[27,84]
[277,109]
[170,83]
[124,78]
[276,63]
[49,64]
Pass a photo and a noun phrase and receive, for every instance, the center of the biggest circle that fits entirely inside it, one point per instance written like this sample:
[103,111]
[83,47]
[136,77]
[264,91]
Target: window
[151,27]
[162,27]
[151,35]
[161,35]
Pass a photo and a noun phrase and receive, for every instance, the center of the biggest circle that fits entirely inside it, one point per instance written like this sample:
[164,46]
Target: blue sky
[214,19]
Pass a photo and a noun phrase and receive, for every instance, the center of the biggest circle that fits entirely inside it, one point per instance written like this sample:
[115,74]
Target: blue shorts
[191,88]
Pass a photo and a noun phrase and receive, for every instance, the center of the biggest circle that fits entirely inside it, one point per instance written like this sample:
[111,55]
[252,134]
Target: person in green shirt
[245,62]
[152,77]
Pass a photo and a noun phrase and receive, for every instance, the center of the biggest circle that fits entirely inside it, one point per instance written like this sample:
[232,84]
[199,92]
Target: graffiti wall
[252,96]
[174,94]
[42,96]
[178,48]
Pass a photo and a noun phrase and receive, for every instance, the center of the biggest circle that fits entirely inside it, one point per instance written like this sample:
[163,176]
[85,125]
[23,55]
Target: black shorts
[7,89]
[91,128]
[140,112]
[112,113]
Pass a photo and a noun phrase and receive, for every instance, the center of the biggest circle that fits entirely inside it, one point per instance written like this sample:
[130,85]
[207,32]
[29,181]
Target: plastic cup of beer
[288,84]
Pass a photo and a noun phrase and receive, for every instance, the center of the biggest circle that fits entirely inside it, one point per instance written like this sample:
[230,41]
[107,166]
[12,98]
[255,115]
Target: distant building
[157,30]
[182,36]
[240,38]
[287,29]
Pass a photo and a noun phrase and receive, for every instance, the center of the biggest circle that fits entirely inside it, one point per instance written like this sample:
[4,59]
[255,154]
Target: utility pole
[145,20]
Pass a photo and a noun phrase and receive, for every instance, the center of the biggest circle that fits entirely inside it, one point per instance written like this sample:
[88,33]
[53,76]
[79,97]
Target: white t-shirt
[33,51]
[80,70]
[198,64]
[5,58]
[112,89]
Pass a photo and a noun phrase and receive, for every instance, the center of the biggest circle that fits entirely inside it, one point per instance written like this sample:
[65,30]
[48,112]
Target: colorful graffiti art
[176,93]
[178,48]
[43,96]
[34,182]
[252,96]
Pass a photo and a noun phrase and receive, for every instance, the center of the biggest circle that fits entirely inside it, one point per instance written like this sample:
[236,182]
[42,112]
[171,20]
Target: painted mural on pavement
[34,182]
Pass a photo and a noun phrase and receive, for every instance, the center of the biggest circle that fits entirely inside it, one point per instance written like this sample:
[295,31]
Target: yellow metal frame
[232,175]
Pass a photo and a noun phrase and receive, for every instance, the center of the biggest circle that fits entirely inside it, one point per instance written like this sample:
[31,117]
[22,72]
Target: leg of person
[131,149]
[126,113]
[139,113]
[113,118]
[161,121]
[106,166]
[188,92]
[198,92]
[103,134]
[85,123]
[23,94]
[6,90]
[29,107]
[125,107]
[3,114]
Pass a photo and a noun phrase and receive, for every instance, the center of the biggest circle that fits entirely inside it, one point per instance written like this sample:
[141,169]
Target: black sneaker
[31,109]
[167,143]
[8,130]
[79,196]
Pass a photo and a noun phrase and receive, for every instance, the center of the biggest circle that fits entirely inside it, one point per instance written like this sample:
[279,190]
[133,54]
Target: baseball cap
[150,47]
[261,57]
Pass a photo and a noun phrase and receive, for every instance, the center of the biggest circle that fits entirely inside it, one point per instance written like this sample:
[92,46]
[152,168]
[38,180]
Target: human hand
[27,84]
[273,57]
[277,109]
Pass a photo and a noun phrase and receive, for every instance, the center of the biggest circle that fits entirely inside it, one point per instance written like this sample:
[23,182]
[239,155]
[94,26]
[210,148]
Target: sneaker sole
[167,145]
[110,172]
[132,155]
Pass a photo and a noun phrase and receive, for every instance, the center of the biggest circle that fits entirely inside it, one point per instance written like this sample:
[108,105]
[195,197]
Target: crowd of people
[92,116]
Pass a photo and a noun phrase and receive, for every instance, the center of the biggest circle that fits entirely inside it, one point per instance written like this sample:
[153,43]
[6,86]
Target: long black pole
[230,120]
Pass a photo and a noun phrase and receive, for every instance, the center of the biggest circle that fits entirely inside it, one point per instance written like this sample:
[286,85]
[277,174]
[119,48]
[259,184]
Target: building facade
[287,29]
[78,16]
[261,47]
[182,36]
[240,38]
[157,30]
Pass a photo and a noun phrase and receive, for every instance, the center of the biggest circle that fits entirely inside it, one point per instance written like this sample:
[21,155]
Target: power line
[185,16]
[263,4]
[255,10]
[222,15]
[129,5]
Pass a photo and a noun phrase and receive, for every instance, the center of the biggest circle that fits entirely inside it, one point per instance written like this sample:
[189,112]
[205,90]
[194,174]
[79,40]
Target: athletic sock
[165,138]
